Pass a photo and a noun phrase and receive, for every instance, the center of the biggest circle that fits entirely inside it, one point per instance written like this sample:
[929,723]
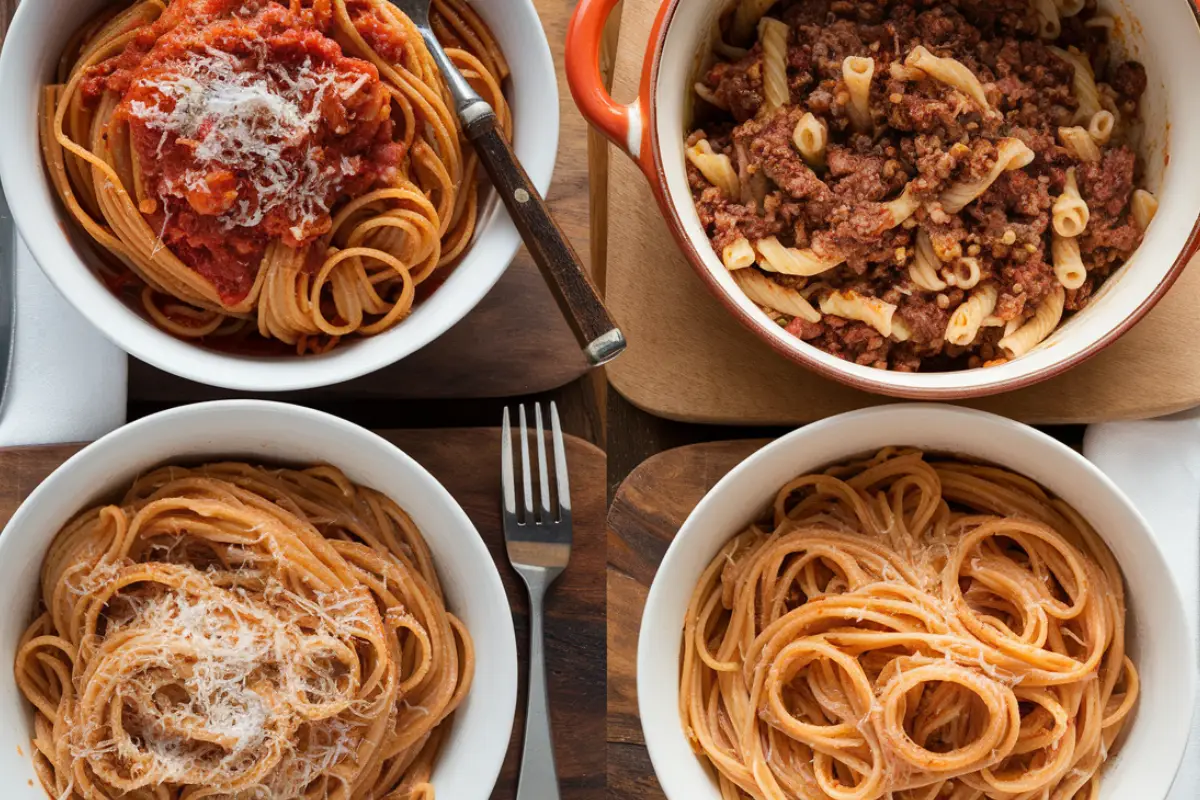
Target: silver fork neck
[470,107]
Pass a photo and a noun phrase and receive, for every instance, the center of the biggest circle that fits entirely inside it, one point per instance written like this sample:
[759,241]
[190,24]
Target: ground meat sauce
[248,125]
[926,136]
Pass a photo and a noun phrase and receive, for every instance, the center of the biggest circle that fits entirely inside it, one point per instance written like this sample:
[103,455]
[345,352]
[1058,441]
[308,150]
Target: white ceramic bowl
[1162,34]
[36,38]
[1161,641]
[257,431]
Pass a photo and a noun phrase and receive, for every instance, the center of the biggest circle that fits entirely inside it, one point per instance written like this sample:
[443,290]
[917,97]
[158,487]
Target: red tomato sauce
[250,126]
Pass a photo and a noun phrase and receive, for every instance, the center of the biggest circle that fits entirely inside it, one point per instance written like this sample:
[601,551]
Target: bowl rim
[49,237]
[799,352]
[654,611]
[501,710]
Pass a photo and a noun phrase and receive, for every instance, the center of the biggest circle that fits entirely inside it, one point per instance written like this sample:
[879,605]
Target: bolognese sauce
[248,124]
[883,289]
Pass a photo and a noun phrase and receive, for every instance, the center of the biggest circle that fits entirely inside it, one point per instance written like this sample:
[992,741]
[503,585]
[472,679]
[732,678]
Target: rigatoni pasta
[949,71]
[1079,143]
[1068,263]
[773,36]
[936,202]
[1038,327]
[857,72]
[769,294]
[850,304]
[1070,212]
[810,137]
[717,168]
[1143,207]
[968,318]
[1010,154]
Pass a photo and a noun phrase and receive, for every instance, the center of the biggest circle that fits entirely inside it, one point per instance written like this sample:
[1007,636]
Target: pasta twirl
[1079,143]
[925,267]
[908,626]
[790,261]
[1086,93]
[235,631]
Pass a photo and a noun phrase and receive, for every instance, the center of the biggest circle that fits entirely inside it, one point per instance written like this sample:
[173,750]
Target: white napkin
[68,382]
[1157,464]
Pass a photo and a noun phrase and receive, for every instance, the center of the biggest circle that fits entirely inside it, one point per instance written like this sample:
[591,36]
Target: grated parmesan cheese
[256,119]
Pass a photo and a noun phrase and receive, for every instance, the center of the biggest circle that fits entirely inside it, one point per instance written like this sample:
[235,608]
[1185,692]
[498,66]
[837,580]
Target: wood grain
[645,515]
[690,360]
[466,461]
[515,342]
[547,244]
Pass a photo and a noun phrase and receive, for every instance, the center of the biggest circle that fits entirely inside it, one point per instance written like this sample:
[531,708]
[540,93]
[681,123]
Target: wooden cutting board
[688,359]
[646,513]
[515,342]
[467,462]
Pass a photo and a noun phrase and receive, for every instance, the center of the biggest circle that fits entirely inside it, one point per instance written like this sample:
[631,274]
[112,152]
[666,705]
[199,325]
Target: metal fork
[565,274]
[539,547]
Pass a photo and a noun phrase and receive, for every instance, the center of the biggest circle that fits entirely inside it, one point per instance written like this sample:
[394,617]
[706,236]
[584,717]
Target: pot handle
[624,125]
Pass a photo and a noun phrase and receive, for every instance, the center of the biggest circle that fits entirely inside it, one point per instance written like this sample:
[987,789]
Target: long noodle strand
[400,233]
[909,628]
[239,632]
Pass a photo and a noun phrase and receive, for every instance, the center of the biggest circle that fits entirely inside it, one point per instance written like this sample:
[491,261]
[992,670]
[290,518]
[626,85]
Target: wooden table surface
[645,515]
[466,461]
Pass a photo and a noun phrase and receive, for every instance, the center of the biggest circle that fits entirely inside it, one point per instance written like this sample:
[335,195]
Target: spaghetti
[909,628]
[291,169]
[239,632]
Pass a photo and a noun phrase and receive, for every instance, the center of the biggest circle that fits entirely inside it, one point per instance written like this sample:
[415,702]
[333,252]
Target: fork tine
[526,480]
[508,486]
[543,467]
[560,465]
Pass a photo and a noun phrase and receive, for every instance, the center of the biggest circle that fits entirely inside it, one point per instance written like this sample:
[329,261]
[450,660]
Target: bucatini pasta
[897,180]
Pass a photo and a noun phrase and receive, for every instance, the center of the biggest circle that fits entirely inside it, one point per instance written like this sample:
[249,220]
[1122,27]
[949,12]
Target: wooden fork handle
[598,335]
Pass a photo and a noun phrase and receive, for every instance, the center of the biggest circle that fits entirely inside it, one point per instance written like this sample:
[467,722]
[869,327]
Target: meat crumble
[924,137]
